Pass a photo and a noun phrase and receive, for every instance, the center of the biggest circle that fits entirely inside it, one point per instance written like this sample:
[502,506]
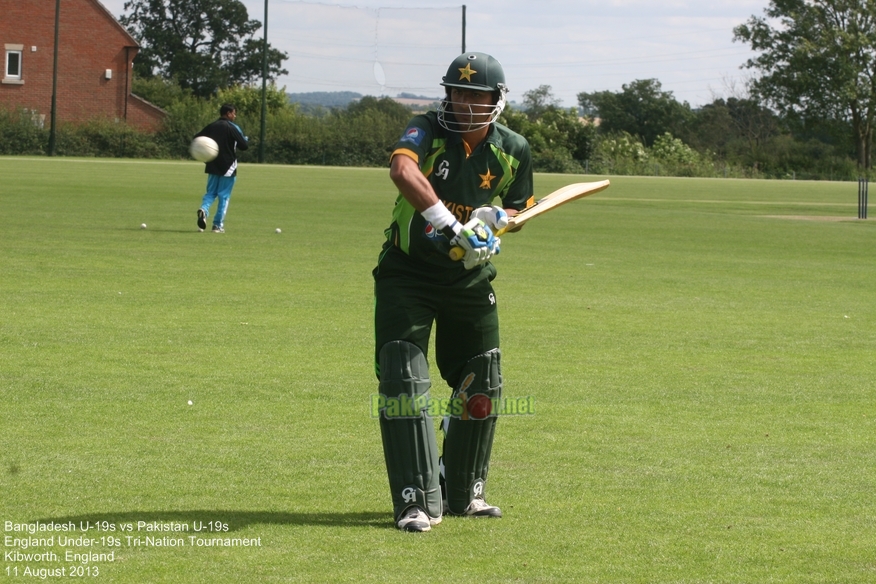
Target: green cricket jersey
[500,167]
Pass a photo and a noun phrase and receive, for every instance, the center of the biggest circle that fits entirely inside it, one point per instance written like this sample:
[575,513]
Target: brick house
[94,63]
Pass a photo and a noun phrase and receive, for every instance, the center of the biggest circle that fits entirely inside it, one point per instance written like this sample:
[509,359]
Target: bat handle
[457,253]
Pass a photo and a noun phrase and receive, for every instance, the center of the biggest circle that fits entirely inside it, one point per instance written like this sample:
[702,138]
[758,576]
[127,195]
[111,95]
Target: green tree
[713,128]
[818,59]
[364,132]
[641,109]
[559,139]
[386,106]
[734,124]
[159,92]
[538,101]
[248,100]
[205,45]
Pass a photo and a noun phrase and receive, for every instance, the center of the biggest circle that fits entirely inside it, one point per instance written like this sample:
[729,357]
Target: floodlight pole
[463,28]
[55,80]
[264,87]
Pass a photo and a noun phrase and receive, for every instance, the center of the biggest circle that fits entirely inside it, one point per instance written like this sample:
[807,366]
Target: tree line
[640,130]
[810,113]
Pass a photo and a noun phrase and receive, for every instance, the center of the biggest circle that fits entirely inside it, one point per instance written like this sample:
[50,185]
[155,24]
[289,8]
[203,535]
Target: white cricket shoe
[480,508]
[415,519]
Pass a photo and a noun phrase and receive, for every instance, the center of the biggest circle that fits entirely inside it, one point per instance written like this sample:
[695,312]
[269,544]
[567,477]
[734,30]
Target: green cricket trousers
[410,296]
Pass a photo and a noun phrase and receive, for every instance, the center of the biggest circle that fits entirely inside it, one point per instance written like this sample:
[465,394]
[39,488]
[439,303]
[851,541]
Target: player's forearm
[417,190]
[411,183]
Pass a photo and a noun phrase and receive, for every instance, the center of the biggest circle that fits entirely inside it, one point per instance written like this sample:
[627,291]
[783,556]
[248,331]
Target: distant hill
[412,96]
[327,100]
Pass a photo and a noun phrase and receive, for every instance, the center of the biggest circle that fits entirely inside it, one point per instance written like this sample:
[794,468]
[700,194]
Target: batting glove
[494,217]
[478,242]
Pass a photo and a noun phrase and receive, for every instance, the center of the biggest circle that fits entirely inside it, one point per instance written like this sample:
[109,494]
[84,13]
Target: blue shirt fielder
[222,170]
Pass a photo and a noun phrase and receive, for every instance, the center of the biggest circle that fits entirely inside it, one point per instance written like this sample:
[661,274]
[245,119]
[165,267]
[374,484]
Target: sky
[387,47]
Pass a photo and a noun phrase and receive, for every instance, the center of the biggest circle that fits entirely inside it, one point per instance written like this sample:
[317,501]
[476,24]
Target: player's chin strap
[409,444]
[468,433]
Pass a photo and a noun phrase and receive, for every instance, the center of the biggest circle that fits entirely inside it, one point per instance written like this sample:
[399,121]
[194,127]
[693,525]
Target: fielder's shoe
[218,229]
[202,220]
[415,519]
[477,508]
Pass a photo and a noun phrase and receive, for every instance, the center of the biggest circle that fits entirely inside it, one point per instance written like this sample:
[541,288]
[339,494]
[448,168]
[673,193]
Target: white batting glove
[478,242]
[494,217]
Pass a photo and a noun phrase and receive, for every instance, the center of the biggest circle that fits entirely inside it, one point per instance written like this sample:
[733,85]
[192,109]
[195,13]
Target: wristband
[439,216]
[442,220]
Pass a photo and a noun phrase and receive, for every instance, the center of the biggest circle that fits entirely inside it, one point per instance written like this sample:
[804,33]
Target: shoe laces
[479,505]
[415,513]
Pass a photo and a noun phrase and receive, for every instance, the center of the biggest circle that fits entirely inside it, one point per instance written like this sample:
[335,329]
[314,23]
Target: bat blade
[559,197]
[547,203]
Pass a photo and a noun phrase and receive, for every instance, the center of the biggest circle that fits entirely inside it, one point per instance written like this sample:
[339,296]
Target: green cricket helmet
[473,71]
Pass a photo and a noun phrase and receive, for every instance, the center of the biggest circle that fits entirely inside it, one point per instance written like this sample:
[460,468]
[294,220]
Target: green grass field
[702,367]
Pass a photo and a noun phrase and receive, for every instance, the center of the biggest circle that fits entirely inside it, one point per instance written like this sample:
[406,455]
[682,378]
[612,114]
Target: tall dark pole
[55,79]
[264,87]
[463,28]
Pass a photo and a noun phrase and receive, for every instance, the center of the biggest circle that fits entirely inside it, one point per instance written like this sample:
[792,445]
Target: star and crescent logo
[487,180]
[466,72]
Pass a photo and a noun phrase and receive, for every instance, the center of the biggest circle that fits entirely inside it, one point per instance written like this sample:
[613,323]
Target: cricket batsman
[450,166]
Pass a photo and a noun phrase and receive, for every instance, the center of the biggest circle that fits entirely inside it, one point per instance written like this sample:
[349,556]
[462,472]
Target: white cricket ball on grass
[142,226]
[278,230]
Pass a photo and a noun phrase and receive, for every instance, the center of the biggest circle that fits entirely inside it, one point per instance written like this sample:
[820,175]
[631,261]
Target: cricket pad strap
[408,433]
[468,438]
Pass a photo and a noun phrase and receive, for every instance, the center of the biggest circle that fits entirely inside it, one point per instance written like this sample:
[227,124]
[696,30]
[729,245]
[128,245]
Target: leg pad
[409,443]
[468,438]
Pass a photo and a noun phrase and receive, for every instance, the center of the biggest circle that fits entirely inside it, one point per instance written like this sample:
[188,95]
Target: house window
[12,73]
[13,64]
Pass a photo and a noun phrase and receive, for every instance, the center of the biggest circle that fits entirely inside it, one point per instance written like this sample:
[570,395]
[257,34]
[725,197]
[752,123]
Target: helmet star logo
[487,180]
[466,72]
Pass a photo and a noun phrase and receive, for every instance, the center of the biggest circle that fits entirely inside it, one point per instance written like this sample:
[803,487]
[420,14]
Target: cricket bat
[553,200]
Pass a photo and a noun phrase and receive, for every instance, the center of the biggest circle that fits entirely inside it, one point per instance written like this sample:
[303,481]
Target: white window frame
[16,77]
